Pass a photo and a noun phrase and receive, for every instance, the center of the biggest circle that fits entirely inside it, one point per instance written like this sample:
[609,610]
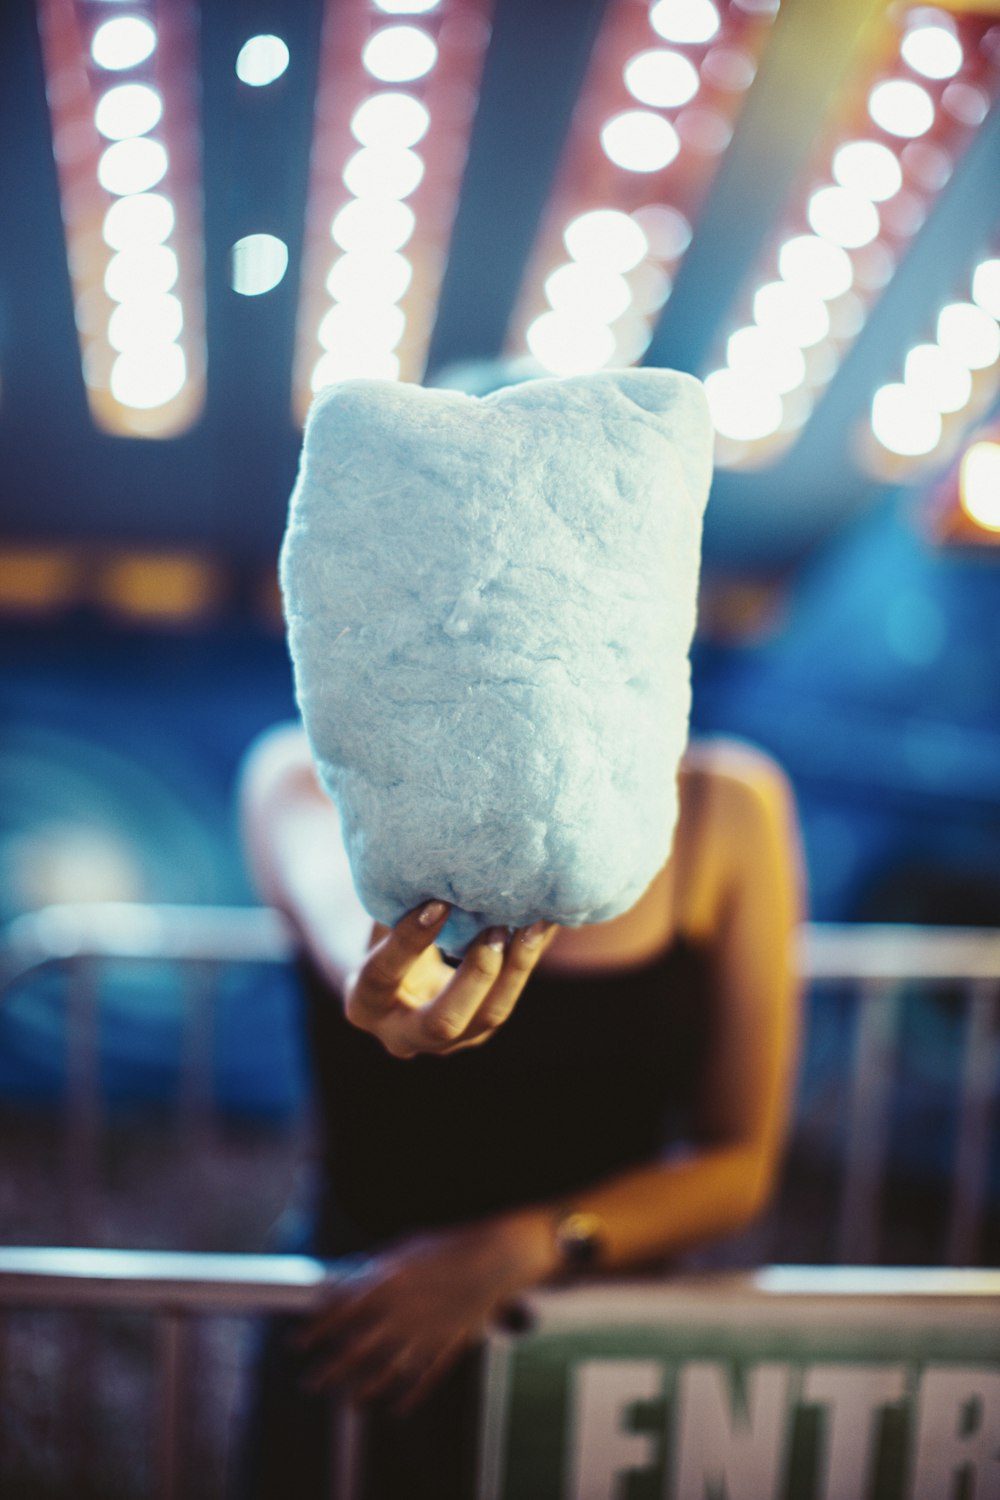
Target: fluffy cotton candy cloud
[490,604]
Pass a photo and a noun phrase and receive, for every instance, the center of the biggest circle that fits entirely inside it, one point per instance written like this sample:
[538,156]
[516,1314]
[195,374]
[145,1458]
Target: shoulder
[738,823]
[736,777]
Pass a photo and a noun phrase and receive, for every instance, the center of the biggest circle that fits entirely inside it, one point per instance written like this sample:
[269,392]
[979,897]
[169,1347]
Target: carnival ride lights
[650,125]
[884,174]
[124,164]
[366,307]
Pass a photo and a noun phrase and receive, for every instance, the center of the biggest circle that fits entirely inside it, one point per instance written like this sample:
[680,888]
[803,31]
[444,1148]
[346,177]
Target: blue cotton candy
[490,604]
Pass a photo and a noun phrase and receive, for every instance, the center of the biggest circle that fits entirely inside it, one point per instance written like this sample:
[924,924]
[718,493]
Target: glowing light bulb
[815,265]
[588,291]
[843,217]
[375,325]
[369,277]
[936,375]
[129,109]
[383,172]
[132,166]
[149,376]
[777,364]
[259,262]
[986,287]
[640,141]
[979,484]
[138,219]
[123,42]
[661,77]
[397,54]
[788,312]
[605,237]
[970,334]
[868,168]
[143,321]
[904,421]
[390,120]
[933,51]
[141,271]
[261,60]
[900,107]
[741,407]
[684,20]
[568,345]
[355,363]
[373,224]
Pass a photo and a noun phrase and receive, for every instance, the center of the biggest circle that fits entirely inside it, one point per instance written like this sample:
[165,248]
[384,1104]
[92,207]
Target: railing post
[173,1335]
[868,1123]
[976,1109]
[196,1091]
[83,1098]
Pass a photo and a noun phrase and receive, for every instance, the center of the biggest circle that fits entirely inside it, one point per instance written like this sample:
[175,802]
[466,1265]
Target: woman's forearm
[649,1213]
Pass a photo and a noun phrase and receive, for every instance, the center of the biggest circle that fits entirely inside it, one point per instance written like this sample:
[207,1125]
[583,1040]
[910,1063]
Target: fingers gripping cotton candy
[490,604]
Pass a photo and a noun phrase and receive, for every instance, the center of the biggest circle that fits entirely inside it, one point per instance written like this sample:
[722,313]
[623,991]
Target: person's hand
[395,1326]
[407,996]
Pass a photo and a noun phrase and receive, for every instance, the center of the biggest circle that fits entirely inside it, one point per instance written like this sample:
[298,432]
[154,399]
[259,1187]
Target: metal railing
[88,940]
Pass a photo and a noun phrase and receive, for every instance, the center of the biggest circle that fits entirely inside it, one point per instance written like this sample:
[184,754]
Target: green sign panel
[788,1386]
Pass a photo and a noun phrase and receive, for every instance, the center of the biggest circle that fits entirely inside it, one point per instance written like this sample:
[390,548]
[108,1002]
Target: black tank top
[590,1074]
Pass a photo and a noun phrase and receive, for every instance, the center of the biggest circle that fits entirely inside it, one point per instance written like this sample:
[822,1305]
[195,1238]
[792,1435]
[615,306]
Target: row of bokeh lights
[367,276]
[942,379]
[604,298]
[145,328]
[804,318]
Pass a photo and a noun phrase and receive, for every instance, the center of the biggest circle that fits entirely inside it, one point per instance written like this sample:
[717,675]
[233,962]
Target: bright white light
[933,51]
[407,7]
[132,166]
[904,421]
[741,407]
[567,345]
[667,231]
[661,77]
[142,321]
[130,109]
[354,364]
[390,120]
[789,313]
[842,217]
[373,224]
[375,325]
[605,237]
[986,287]
[774,363]
[123,43]
[938,377]
[383,172]
[148,377]
[588,292]
[970,334]
[815,266]
[261,60]
[901,108]
[139,219]
[259,262]
[144,271]
[398,53]
[640,141]
[869,168]
[979,486]
[685,20]
[378,277]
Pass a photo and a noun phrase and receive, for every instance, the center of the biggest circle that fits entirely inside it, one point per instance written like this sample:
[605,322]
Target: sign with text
[790,1384]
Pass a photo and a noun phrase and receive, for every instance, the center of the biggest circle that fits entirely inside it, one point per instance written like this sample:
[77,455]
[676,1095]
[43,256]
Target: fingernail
[532,936]
[496,938]
[431,913]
